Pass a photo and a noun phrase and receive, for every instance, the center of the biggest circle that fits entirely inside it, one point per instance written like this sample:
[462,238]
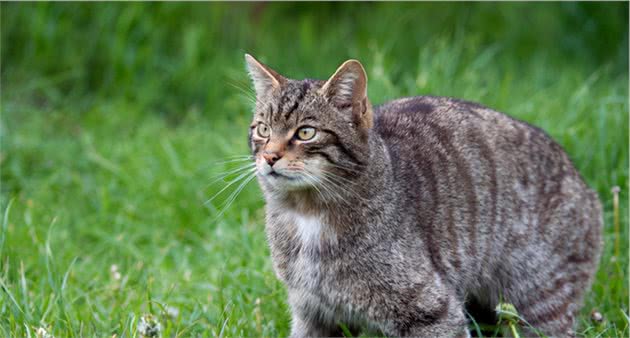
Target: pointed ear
[347,88]
[264,78]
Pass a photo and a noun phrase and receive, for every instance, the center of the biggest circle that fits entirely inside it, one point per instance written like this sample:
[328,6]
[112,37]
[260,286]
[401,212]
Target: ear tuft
[264,78]
[347,88]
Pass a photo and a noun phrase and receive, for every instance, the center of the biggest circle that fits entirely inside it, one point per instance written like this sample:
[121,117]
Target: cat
[394,218]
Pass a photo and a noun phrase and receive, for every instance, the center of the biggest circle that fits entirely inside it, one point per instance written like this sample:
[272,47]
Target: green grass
[115,115]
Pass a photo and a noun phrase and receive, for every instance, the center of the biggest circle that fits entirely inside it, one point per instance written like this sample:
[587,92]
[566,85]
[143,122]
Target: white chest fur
[309,232]
[309,229]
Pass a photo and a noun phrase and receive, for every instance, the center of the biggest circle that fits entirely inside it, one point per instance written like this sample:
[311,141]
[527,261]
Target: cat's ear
[264,78]
[347,89]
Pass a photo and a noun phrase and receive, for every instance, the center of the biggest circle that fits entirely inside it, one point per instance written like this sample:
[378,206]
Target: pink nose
[272,157]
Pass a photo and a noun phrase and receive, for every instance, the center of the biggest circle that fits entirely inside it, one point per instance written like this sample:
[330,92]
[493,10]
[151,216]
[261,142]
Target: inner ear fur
[347,89]
[264,78]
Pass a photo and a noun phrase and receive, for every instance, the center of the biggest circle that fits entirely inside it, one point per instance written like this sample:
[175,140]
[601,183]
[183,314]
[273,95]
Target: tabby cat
[395,218]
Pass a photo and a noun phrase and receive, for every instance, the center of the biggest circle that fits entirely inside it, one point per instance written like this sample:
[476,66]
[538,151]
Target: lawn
[115,119]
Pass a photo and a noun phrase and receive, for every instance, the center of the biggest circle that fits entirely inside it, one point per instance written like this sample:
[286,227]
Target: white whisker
[231,159]
[245,90]
[240,177]
[310,179]
[344,168]
[223,175]
[328,186]
[233,196]
[344,183]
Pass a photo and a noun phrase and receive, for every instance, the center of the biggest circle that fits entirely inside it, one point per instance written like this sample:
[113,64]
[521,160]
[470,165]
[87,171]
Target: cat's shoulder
[404,115]
[418,107]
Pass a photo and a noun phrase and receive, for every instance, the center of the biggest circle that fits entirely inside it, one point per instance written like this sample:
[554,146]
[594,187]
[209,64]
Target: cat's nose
[272,157]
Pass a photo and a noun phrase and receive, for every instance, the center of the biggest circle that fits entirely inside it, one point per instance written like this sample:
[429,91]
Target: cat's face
[309,134]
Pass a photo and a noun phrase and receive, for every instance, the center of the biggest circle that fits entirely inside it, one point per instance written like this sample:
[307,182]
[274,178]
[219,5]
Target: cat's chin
[283,183]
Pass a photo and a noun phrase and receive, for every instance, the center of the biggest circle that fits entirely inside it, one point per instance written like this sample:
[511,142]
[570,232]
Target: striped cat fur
[395,219]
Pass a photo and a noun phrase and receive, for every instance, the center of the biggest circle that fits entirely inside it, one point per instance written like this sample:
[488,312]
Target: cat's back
[468,136]
[475,149]
[486,186]
[466,132]
[414,118]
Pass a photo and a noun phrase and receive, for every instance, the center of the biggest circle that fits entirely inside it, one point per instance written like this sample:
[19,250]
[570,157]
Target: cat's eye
[305,133]
[263,130]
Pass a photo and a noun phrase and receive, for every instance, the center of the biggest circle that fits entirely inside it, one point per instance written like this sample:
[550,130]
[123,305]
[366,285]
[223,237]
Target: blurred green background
[115,117]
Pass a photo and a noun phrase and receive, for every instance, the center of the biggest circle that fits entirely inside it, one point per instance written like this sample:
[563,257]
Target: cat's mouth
[278,175]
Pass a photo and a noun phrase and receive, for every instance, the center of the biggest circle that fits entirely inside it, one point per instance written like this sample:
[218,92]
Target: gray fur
[431,203]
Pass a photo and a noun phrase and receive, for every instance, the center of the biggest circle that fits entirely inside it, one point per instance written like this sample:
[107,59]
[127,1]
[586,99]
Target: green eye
[263,130]
[306,133]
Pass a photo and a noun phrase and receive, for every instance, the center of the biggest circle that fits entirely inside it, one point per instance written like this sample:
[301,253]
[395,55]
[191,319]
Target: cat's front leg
[452,324]
[302,327]
[309,318]
[432,318]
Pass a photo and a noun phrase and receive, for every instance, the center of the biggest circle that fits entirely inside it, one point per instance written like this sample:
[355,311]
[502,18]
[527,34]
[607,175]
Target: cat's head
[309,134]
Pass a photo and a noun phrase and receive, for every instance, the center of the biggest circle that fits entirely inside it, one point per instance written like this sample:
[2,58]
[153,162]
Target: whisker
[225,174]
[344,168]
[244,91]
[240,177]
[233,196]
[340,178]
[344,183]
[327,185]
[245,158]
[332,188]
[312,182]
[231,159]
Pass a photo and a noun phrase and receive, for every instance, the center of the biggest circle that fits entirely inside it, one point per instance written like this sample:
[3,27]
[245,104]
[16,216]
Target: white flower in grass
[113,271]
[41,332]
[172,312]
[149,326]
[596,316]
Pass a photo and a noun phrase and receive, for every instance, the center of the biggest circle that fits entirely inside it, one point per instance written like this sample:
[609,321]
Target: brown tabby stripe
[427,173]
[290,111]
[513,239]
[450,222]
[298,100]
[464,172]
[554,312]
[342,147]
[324,155]
[456,261]
[289,101]
[307,118]
[551,204]
[282,103]
[487,154]
[547,294]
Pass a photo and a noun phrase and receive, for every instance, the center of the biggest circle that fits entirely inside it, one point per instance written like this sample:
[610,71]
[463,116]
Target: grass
[114,117]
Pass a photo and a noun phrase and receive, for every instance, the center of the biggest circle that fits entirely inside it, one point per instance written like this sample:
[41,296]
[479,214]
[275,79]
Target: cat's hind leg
[569,244]
[552,306]
[553,309]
